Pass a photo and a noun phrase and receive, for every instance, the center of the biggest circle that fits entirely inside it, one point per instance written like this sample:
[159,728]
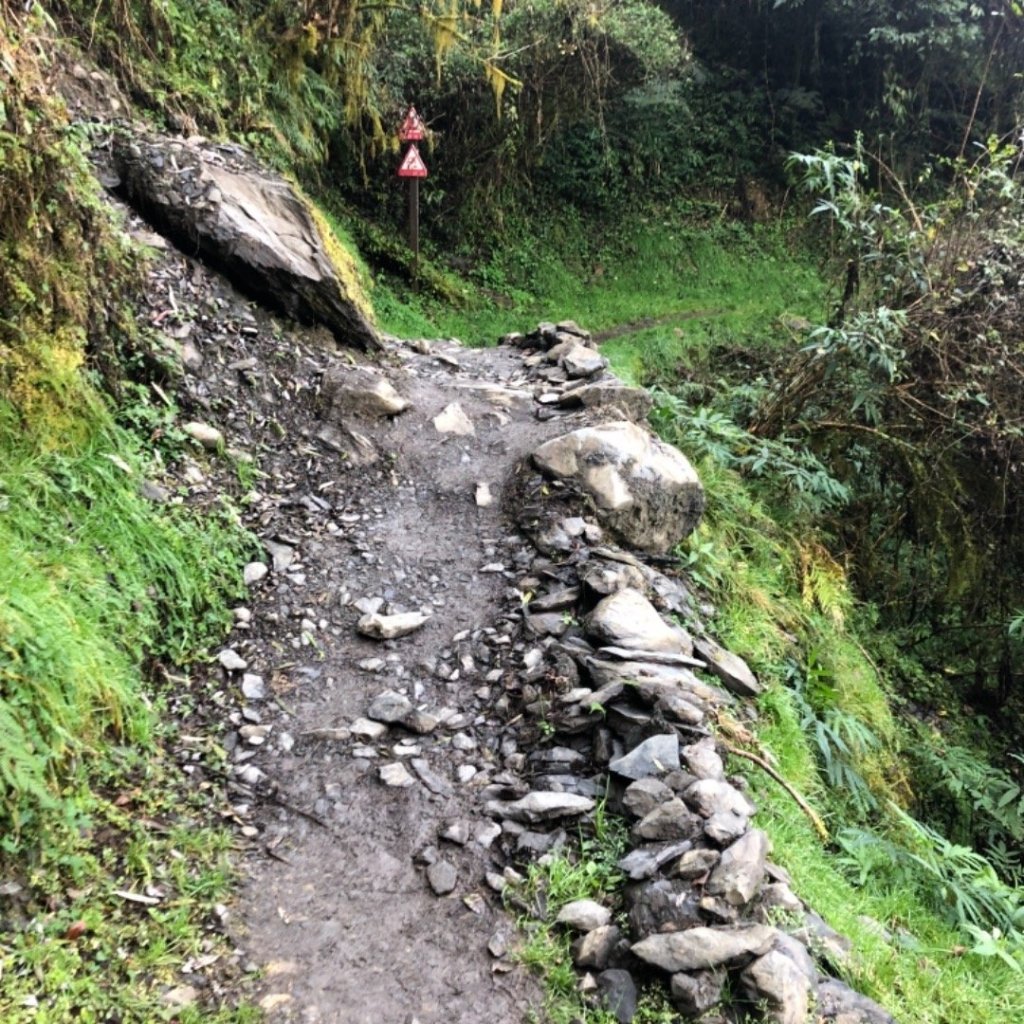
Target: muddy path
[341,914]
[382,788]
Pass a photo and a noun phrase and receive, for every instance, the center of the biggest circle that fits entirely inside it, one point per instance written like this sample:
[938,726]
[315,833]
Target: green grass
[714,283]
[95,583]
[142,838]
[783,605]
[926,976]
[93,579]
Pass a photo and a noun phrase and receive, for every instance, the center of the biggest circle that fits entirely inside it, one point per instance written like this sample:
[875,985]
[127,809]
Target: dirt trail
[336,913]
[341,913]
[647,322]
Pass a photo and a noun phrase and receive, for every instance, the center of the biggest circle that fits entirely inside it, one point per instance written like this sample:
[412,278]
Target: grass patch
[713,281]
[95,584]
[94,580]
[74,947]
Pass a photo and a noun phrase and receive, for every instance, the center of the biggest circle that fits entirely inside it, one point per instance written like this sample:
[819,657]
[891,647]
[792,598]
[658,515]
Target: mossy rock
[250,223]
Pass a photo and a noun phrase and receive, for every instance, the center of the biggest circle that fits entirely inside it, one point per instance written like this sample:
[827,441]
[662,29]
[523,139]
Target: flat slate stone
[626,619]
[703,948]
[733,671]
[543,806]
[740,871]
[217,201]
[655,756]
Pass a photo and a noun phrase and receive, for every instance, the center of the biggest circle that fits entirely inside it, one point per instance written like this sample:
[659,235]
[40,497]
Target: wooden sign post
[413,168]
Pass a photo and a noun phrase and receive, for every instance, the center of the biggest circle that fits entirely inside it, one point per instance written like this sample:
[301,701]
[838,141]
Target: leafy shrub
[953,879]
[792,469]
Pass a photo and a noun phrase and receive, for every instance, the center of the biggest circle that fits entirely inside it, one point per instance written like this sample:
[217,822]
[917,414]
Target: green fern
[954,880]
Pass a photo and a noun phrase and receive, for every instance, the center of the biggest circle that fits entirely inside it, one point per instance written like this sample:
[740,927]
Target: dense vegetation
[800,221]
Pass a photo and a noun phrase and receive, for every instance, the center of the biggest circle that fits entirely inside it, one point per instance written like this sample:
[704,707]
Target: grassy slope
[96,584]
[711,283]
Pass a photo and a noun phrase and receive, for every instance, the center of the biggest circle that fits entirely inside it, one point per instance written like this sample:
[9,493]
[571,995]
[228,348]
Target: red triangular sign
[412,166]
[412,129]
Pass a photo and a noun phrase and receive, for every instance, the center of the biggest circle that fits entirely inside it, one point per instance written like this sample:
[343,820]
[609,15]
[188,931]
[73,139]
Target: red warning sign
[412,129]
[412,166]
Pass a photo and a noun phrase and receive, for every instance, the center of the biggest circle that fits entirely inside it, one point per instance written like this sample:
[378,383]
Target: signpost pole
[412,167]
[414,224]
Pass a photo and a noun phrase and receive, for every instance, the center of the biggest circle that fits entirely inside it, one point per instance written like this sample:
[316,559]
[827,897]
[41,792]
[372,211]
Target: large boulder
[641,488]
[215,200]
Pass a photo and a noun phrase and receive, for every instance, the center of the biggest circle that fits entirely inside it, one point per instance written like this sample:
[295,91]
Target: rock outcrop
[215,200]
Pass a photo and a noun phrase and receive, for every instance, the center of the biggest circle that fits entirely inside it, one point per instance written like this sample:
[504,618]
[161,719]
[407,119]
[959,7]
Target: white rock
[364,729]
[543,805]
[251,775]
[389,627]
[584,915]
[253,687]
[484,498]
[254,572]
[209,437]
[453,420]
[282,555]
[232,660]
[255,735]
[360,391]
[181,995]
[702,948]
[627,619]
[396,775]
[643,489]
